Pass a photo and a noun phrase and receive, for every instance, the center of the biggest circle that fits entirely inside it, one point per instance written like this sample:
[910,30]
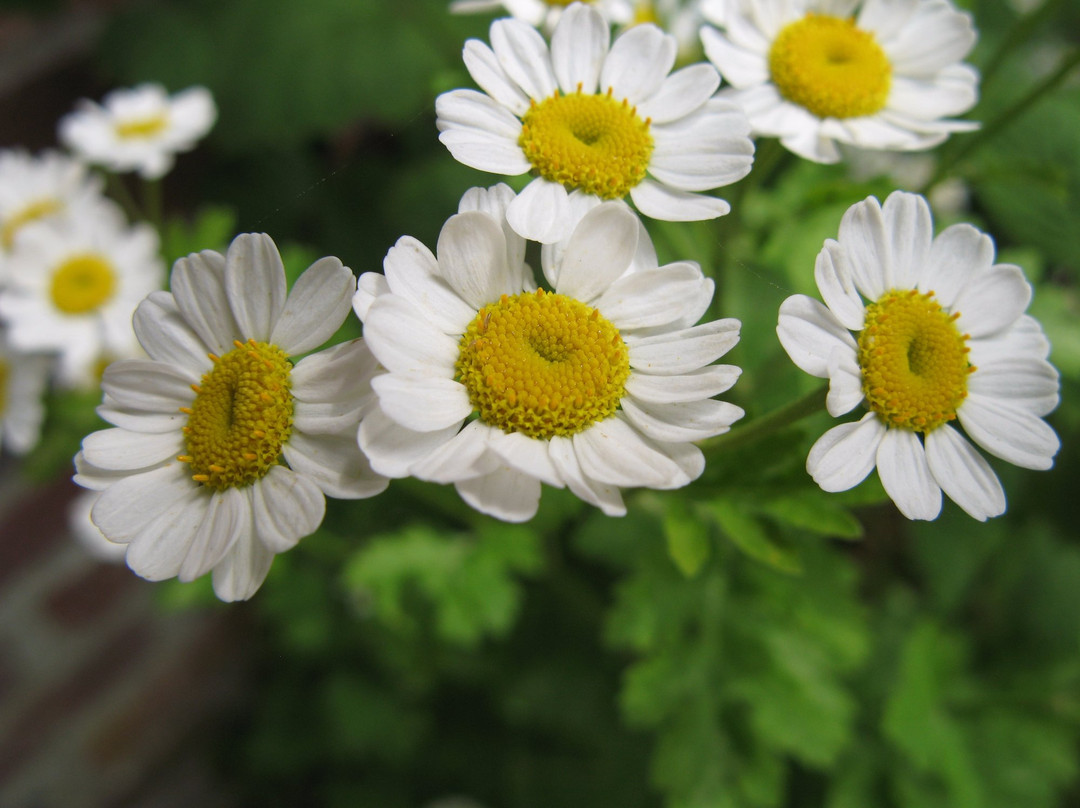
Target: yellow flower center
[31,213]
[830,67]
[591,142]
[542,364]
[83,283]
[644,12]
[141,127]
[241,417]
[561,2]
[914,361]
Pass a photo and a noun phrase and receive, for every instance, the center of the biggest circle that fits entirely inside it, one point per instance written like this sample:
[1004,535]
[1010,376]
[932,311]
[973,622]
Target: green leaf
[750,536]
[687,537]
[815,511]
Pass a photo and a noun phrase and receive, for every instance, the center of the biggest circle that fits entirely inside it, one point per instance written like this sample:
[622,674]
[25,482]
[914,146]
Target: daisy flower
[223,451]
[925,332]
[46,187]
[879,74]
[586,119]
[71,290]
[496,385]
[545,13]
[23,379]
[139,129]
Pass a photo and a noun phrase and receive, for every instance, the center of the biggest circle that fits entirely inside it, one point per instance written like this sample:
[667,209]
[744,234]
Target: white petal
[242,571]
[578,47]
[956,255]
[119,450]
[393,449]
[340,373]
[910,230]
[845,383]
[739,67]
[403,341]
[599,251]
[132,502]
[992,300]
[638,63]
[953,91]
[523,56]
[462,457]
[843,456]
[370,286]
[866,245]
[315,308]
[935,36]
[165,335]
[506,494]
[285,507]
[837,287]
[613,452]
[603,496]
[149,386]
[541,212]
[682,351]
[421,402]
[810,334]
[472,258]
[703,383]
[527,455]
[334,463]
[658,201]
[483,66]
[227,518]
[1025,381]
[963,474]
[413,272]
[198,285]
[681,93]
[255,284]
[484,151]
[902,467]
[1009,431]
[682,421]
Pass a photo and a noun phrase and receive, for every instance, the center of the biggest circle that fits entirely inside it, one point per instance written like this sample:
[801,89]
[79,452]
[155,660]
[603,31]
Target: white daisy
[588,120]
[23,379]
[544,13]
[680,18]
[223,451]
[46,187]
[72,288]
[941,336]
[139,129]
[87,534]
[880,74]
[496,386]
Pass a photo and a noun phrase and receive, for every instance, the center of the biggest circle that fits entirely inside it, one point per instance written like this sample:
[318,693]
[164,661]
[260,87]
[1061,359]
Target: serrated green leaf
[687,538]
[750,536]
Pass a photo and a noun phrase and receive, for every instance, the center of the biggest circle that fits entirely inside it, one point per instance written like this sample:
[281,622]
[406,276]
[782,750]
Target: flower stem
[1018,34]
[770,423]
[1003,119]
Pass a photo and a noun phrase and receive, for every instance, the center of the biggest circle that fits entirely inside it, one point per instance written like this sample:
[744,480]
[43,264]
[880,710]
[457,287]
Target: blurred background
[802,653]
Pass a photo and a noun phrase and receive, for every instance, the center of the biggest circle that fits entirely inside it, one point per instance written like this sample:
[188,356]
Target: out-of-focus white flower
[139,129]
[23,378]
[545,14]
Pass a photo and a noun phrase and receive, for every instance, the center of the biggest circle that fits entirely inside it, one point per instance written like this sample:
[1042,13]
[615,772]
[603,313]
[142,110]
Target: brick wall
[105,700]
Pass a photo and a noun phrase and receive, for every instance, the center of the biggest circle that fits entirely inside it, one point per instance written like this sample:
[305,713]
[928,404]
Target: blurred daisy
[139,129]
[496,386]
[71,290]
[23,378]
[880,74]
[46,187]
[545,13]
[940,337]
[588,120]
[680,18]
[222,451]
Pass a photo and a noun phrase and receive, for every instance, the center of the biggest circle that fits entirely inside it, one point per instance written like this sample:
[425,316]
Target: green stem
[119,191]
[768,424]
[1004,119]
[1018,34]
[152,202]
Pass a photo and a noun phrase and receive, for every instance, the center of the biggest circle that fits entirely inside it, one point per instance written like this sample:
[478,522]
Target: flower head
[72,288]
[222,449]
[926,333]
[496,385]
[46,187]
[870,73]
[23,379]
[591,120]
[139,129]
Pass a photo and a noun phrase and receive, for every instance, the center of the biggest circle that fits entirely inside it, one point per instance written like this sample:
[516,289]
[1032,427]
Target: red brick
[83,599]
[48,713]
